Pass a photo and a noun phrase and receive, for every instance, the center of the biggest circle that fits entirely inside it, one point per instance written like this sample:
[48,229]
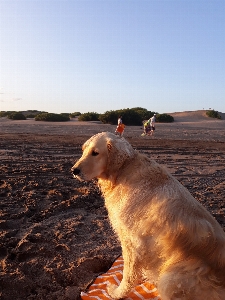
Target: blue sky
[95,56]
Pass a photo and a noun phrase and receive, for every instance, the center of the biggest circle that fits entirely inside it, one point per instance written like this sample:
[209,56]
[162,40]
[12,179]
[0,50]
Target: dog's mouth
[78,177]
[77,174]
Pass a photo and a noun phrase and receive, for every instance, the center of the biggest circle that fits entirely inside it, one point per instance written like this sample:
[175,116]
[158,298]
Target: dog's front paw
[114,291]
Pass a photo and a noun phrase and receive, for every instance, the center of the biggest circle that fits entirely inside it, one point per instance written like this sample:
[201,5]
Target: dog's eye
[94,153]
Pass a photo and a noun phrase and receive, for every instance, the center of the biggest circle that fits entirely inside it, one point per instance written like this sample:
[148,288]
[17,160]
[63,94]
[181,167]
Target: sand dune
[193,116]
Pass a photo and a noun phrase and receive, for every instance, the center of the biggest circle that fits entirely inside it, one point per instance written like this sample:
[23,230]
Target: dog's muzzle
[75,171]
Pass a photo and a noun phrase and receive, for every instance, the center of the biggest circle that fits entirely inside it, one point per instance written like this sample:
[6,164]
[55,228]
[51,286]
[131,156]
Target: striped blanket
[114,275]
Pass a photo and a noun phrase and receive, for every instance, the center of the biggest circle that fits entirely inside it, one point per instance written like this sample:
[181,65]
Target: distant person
[120,121]
[147,128]
[120,127]
[152,124]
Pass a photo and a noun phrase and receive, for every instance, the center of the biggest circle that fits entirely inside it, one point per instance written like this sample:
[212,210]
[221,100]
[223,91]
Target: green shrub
[213,114]
[16,116]
[75,114]
[50,117]
[27,113]
[109,117]
[130,116]
[5,113]
[144,113]
[30,116]
[89,116]
[164,118]
[31,113]
[65,114]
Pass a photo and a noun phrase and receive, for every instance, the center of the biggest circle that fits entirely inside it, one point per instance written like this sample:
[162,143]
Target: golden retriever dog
[167,236]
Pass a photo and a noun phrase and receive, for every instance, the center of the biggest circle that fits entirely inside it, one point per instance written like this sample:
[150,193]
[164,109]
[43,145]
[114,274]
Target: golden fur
[166,235]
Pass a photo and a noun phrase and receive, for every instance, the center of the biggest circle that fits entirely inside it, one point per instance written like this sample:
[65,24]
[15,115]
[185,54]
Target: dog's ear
[109,146]
[119,151]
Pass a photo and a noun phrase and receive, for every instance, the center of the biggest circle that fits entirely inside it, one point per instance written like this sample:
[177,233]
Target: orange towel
[114,275]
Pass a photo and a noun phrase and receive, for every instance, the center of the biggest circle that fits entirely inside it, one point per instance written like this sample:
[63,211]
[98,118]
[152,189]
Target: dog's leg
[127,283]
[130,277]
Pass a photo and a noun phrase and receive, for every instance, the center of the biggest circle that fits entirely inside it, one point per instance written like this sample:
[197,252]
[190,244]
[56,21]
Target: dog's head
[103,156]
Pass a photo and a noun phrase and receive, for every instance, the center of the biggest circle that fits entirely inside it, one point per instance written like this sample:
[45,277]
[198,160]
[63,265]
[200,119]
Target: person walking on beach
[152,124]
[120,121]
[149,126]
[120,127]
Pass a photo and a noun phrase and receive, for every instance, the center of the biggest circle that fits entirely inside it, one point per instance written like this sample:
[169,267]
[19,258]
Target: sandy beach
[55,235]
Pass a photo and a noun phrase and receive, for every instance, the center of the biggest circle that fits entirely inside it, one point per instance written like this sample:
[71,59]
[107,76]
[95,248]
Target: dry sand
[55,237]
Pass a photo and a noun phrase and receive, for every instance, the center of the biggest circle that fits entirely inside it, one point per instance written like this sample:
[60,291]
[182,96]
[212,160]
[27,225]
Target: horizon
[96,56]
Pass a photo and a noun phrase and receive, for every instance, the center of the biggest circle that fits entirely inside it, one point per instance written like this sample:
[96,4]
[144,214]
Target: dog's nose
[75,171]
